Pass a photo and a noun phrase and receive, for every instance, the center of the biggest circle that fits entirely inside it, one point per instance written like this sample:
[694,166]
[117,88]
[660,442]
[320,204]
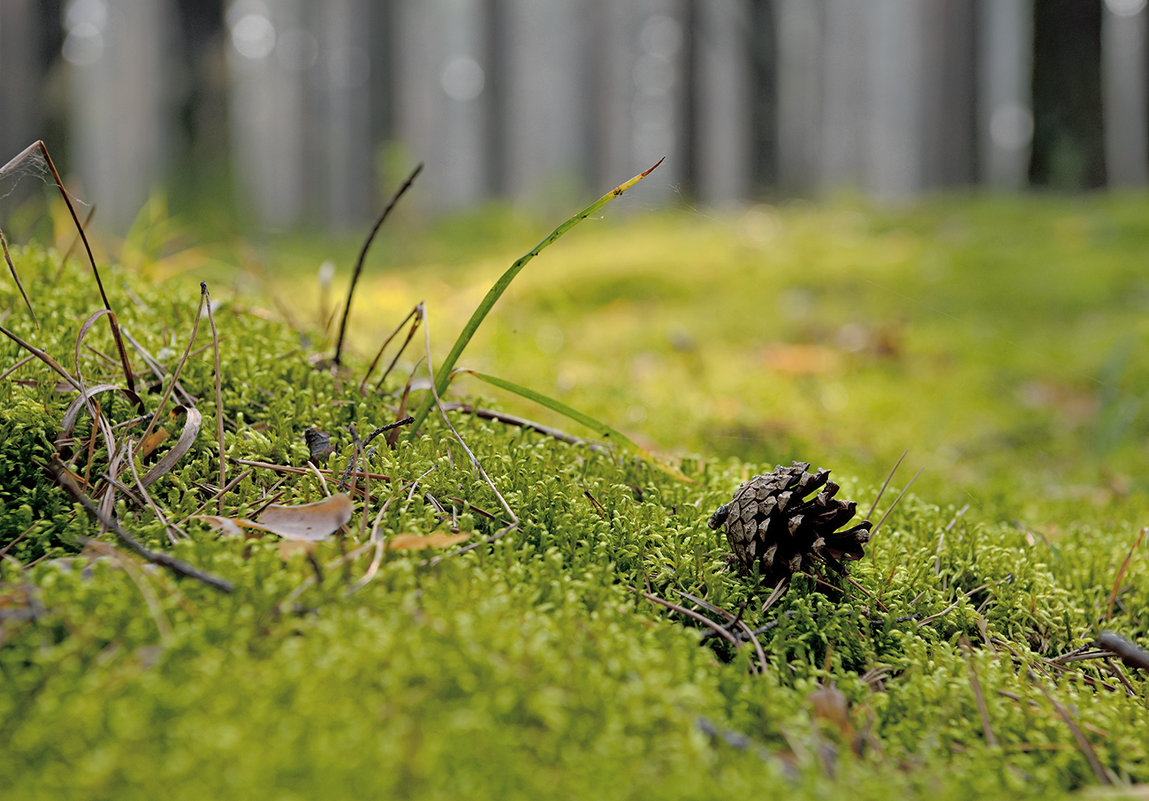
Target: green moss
[528,668]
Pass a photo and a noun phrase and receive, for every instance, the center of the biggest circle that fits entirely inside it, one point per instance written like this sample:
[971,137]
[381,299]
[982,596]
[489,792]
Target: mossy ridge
[525,668]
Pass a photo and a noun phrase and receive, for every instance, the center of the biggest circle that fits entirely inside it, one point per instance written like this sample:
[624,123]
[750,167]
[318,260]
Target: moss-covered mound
[547,661]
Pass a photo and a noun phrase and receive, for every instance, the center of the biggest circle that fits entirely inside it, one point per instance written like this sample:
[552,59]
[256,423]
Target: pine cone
[771,522]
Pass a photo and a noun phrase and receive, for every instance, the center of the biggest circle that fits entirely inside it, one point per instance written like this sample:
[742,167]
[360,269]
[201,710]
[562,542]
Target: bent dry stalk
[39,146]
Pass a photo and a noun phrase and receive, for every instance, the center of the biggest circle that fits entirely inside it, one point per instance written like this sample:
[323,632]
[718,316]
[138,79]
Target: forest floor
[522,630]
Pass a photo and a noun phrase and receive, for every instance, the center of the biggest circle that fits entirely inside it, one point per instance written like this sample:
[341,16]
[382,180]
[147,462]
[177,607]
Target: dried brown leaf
[415,542]
[289,548]
[309,522]
[830,705]
[801,359]
[148,446]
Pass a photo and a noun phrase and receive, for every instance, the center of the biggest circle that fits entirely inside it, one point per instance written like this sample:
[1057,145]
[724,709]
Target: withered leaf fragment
[309,522]
[413,542]
[319,446]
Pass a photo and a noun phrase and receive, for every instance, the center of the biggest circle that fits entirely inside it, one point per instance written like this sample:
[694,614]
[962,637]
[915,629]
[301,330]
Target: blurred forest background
[287,112]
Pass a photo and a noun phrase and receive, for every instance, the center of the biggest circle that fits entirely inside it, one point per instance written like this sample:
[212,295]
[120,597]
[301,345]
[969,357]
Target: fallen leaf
[318,445]
[831,706]
[289,548]
[309,522]
[415,542]
[151,443]
[801,359]
[228,525]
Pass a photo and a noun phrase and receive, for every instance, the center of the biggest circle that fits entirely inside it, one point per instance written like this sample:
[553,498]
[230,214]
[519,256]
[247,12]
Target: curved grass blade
[602,429]
[446,369]
[192,421]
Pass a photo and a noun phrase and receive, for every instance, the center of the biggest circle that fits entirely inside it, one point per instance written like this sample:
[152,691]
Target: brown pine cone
[771,523]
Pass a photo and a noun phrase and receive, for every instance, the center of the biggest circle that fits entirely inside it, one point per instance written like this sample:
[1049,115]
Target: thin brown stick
[44,357]
[474,460]
[23,362]
[1129,652]
[91,405]
[218,495]
[112,322]
[218,392]
[960,598]
[1121,572]
[75,238]
[16,278]
[156,368]
[982,710]
[179,367]
[498,535]
[393,435]
[173,531]
[60,474]
[1115,669]
[1082,743]
[690,613]
[893,505]
[283,468]
[380,544]
[1085,677]
[889,478]
[384,429]
[1081,655]
[120,486]
[363,255]
[877,601]
[942,539]
[779,589]
[735,620]
[521,422]
[417,313]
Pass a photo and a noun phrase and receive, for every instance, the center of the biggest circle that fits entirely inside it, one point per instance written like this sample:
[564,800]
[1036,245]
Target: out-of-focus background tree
[290,112]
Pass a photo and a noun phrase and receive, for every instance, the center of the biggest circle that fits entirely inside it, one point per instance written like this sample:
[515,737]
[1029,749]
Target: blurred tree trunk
[442,115]
[342,119]
[541,74]
[800,98]
[1068,127]
[949,124]
[1125,94]
[120,108]
[897,61]
[267,55]
[1005,108]
[847,100]
[20,70]
[722,118]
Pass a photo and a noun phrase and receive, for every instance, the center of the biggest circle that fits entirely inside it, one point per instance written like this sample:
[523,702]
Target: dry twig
[60,474]
[363,255]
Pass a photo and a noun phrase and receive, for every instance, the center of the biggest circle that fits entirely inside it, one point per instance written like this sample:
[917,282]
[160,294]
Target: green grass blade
[597,426]
[444,375]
